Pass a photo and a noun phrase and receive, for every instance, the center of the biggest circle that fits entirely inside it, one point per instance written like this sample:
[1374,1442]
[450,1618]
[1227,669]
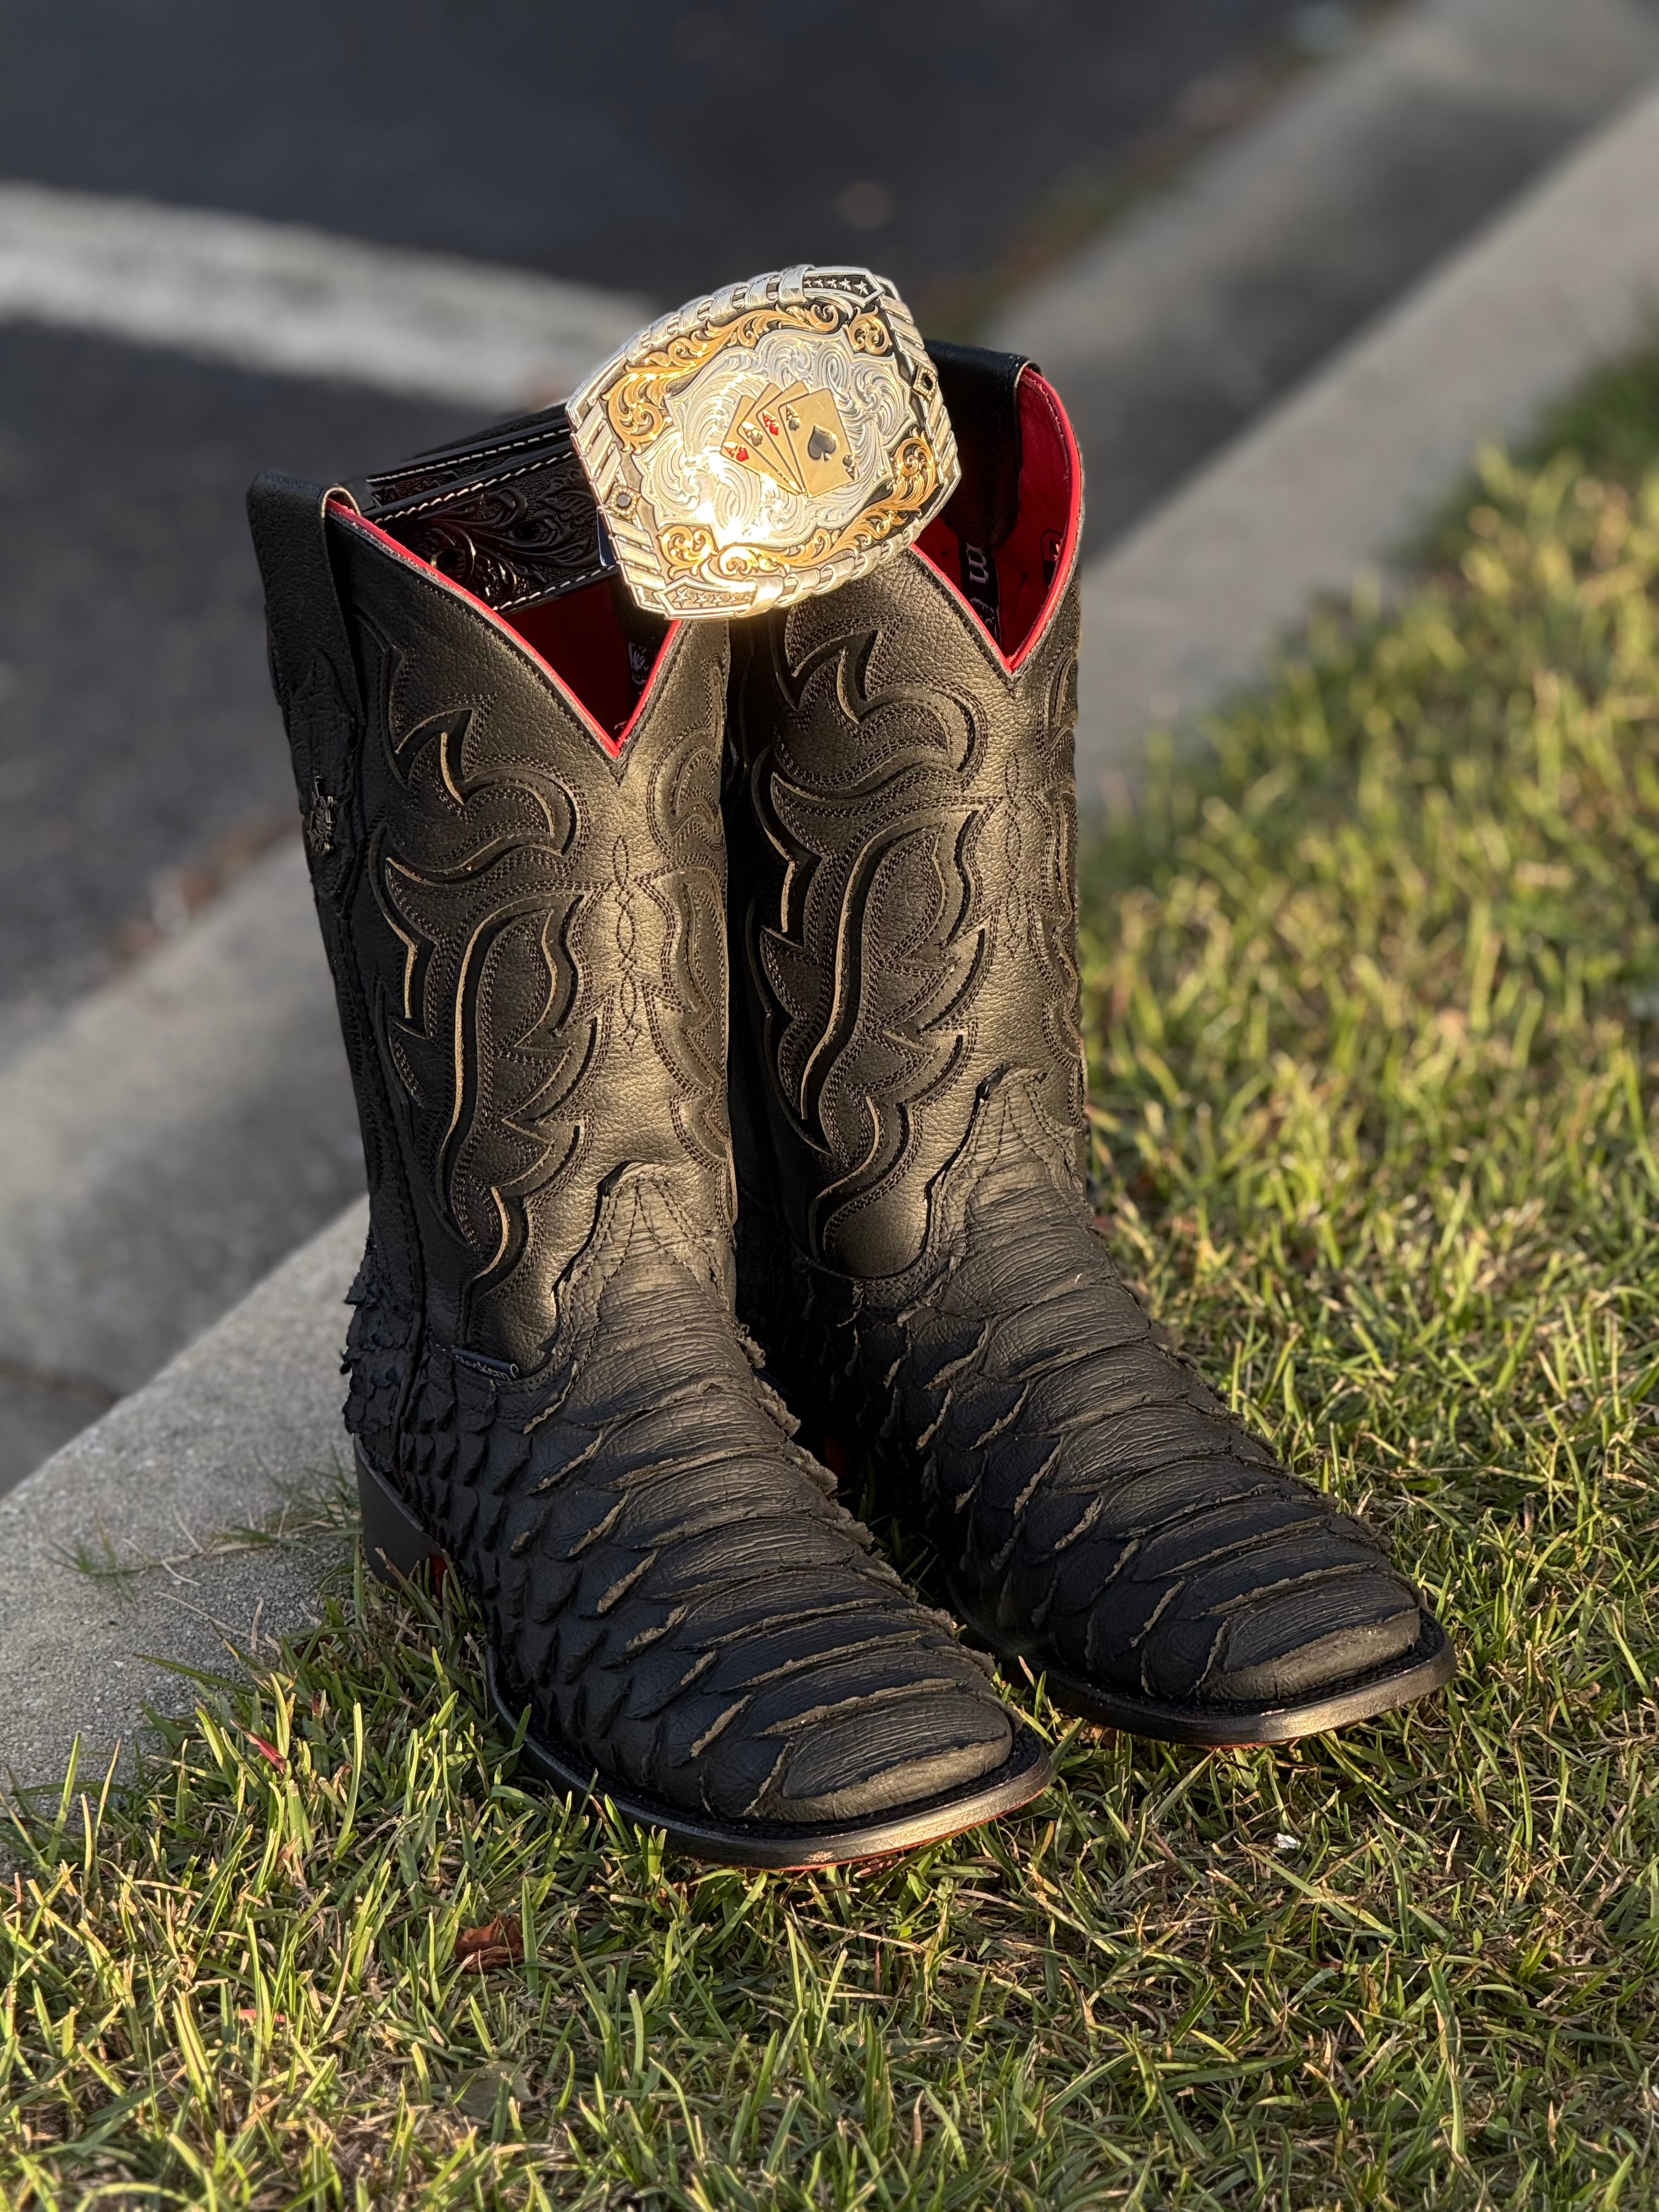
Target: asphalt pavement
[140,753]
[657,148]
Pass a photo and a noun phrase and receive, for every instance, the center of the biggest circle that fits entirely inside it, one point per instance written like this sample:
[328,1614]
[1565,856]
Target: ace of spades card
[818,439]
[795,436]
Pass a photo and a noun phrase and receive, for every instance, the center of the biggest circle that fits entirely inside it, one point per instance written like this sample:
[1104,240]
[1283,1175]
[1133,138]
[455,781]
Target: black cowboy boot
[916,1248]
[512,812]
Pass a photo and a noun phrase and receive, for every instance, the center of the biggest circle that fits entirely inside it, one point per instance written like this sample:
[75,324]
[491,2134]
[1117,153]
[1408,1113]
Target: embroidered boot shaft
[917,1248]
[516,851]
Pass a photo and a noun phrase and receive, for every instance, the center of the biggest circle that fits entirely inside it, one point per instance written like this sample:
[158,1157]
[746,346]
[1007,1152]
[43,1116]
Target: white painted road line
[279,297]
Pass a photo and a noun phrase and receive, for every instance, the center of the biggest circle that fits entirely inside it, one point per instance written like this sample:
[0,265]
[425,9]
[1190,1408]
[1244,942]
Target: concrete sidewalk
[178,1132]
[222,1440]
[1339,480]
[1212,299]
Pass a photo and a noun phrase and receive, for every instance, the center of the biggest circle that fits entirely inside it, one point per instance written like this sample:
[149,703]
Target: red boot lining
[579,636]
[1034,561]
[575,640]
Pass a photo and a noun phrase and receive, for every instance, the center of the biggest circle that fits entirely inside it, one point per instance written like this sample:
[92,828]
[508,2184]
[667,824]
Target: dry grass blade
[499,1942]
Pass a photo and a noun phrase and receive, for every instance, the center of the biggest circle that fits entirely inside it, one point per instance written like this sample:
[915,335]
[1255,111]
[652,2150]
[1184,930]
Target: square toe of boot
[880,1759]
[1294,1644]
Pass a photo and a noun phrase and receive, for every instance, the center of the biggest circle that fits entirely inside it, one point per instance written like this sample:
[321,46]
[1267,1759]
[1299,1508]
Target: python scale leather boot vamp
[517,852]
[917,1250]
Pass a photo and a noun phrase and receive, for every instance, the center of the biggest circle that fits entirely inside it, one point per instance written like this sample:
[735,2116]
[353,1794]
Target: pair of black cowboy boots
[590,875]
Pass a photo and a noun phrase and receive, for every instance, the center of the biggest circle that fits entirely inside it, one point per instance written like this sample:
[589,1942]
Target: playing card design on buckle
[774,440]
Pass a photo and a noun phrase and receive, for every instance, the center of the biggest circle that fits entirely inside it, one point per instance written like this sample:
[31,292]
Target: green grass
[1611,426]
[1374,1009]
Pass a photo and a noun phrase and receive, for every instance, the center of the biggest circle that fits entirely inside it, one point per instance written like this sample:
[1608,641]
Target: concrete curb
[180,1131]
[217,1441]
[1339,478]
[1215,296]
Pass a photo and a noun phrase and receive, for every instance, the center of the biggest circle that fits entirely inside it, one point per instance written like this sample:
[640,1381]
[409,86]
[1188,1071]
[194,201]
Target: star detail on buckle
[774,440]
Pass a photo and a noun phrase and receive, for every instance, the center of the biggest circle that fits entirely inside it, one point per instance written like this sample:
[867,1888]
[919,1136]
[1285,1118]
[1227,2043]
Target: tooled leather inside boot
[512,820]
[917,1245]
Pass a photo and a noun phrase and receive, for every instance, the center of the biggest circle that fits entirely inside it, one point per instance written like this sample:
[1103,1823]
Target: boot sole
[1428,1666]
[396,1547]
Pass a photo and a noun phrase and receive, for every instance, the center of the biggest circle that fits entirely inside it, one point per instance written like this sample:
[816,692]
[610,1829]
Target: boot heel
[394,1542]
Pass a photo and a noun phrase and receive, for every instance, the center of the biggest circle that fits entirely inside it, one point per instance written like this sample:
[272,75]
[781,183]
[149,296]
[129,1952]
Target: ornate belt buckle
[775,439]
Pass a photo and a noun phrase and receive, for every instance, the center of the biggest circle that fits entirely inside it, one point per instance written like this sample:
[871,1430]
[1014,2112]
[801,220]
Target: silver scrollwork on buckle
[774,440]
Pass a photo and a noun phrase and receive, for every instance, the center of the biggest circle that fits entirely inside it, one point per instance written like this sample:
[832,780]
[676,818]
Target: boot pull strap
[313,668]
[303,614]
[980,392]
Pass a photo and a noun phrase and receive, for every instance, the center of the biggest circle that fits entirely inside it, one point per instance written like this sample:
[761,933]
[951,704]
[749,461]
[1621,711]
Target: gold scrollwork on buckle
[775,439]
